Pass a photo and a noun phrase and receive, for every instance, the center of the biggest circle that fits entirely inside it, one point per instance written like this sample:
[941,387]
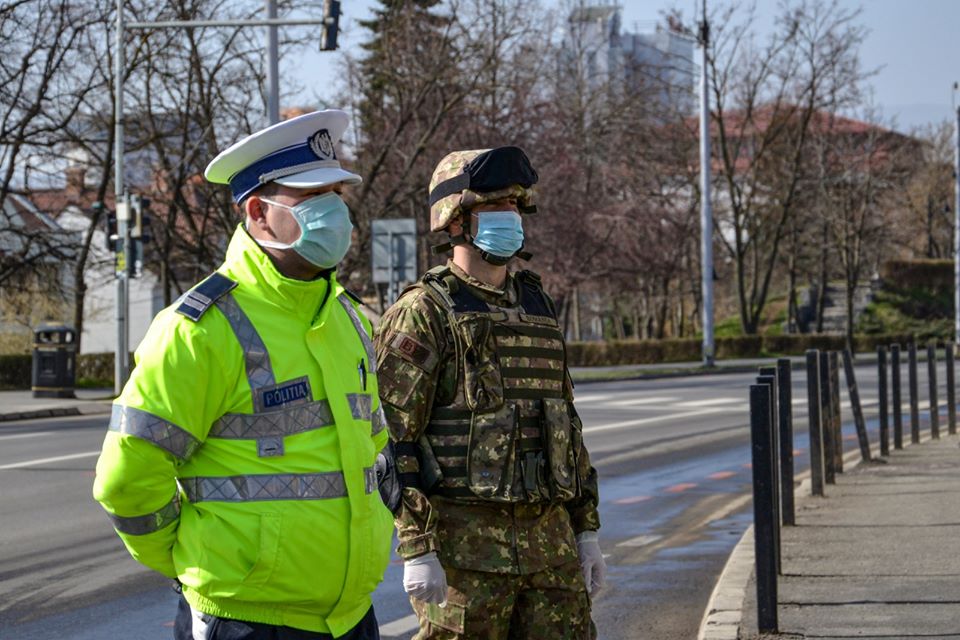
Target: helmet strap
[446,247]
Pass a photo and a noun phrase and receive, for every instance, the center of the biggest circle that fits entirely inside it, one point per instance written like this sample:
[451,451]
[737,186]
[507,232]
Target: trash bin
[54,361]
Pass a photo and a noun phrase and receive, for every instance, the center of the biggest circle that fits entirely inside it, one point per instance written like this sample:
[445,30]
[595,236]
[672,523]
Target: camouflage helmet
[453,176]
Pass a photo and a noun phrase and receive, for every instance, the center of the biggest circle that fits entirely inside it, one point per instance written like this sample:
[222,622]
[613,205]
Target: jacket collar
[249,265]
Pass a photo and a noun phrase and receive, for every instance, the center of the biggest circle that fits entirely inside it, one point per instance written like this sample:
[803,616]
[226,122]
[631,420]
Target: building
[64,214]
[657,63]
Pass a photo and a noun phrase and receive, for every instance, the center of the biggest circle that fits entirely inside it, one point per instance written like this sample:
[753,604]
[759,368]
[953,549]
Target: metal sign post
[394,254]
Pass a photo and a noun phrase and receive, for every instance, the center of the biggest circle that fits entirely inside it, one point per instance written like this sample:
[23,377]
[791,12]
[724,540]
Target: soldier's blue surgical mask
[325,229]
[499,233]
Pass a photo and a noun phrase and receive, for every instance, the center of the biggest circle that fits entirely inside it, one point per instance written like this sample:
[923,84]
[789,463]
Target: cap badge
[322,145]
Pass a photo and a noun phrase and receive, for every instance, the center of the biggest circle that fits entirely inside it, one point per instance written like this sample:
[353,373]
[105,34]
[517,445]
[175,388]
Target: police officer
[240,455]
[498,521]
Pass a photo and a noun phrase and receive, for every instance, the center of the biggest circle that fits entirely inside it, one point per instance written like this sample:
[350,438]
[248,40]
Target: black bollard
[897,401]
[914,393]
[951,392]
[785,424]
[932,385]
[816,430]
[764,499]
[826,419]
[882,390]
[854,393]
[768,376]
[835,406]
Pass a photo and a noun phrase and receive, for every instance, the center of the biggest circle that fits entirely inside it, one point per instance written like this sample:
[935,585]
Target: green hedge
[93,370]
[616,352]
[15,371]
[929,275]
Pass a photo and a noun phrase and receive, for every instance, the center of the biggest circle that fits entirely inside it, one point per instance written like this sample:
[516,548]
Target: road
[673,459]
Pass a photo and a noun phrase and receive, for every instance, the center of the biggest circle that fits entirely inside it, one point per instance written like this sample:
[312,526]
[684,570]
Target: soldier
[498,521]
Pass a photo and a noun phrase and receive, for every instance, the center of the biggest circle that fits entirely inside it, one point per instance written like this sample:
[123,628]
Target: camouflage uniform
[497,481]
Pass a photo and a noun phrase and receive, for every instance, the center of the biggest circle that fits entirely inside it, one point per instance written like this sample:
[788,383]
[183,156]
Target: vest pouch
[482,382]
[491,456]
[561,453]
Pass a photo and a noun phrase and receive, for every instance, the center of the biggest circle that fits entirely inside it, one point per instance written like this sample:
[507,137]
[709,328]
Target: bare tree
[929,194]
[44,83]
[765,98]
[863,169]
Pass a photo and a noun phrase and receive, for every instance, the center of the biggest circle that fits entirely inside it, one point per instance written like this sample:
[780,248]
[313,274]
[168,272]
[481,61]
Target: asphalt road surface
[673,456]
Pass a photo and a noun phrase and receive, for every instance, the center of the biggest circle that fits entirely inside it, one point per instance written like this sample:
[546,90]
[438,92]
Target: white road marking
[14,436]
[708,402]
[641,421]
[31,463]
[592,397]
[639,541]
[639,401]
[399,626]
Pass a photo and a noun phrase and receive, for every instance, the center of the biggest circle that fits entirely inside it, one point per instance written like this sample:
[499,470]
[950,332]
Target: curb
[57,412]
[724,612]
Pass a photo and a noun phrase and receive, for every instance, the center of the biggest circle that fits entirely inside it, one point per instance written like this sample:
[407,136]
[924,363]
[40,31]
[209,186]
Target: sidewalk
[21,405]
[878,557]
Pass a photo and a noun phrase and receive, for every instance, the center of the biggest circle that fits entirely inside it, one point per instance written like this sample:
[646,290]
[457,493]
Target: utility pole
[956,225]
[330,23]
[273,66]
[706,213]
[121,364]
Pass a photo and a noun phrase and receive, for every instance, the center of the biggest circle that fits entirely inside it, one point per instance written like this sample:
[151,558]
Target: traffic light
[135,258]
[331,25]
[110,223]
[140,222]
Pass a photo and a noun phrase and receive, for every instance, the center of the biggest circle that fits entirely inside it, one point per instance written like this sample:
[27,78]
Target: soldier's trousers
[549,605]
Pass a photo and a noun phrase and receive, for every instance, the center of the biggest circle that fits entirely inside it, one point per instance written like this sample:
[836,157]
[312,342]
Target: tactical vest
[508,435]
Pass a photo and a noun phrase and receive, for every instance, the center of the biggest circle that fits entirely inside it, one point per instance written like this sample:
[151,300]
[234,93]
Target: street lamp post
[706,213]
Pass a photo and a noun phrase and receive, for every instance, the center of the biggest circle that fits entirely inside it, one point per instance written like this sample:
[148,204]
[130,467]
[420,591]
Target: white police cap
[297,153]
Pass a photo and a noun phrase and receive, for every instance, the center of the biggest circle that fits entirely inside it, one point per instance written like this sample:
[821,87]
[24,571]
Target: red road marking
[749,465]
[679,488]
[167,624]
[722,475]
[631,500]
[797,452]
[850,438]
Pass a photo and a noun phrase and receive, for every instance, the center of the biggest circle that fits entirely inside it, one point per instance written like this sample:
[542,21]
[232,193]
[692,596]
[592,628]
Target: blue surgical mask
[499,233]
[325,229]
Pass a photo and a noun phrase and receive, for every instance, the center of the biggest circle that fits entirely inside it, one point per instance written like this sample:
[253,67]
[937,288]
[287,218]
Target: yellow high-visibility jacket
[240,455]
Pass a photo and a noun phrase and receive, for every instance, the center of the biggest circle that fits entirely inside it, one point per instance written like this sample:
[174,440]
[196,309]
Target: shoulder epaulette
[195,302]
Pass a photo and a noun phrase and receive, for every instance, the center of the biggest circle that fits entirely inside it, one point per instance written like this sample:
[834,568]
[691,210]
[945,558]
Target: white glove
[591,561]
[424,579]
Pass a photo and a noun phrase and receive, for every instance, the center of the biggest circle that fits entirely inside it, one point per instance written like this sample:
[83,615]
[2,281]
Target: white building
[658,63]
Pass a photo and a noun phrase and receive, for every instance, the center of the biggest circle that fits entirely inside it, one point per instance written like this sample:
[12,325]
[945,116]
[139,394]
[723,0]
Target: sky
[913,45]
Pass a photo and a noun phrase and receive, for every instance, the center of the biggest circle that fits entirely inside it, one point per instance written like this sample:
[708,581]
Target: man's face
[279,220]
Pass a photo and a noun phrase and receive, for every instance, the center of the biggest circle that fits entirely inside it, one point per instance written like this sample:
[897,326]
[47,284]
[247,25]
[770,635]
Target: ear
[256,211]
[455,227]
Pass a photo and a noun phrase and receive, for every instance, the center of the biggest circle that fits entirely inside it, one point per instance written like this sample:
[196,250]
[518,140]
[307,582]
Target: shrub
[16,371]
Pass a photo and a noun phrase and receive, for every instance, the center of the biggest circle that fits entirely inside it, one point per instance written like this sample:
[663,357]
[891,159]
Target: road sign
[394,253]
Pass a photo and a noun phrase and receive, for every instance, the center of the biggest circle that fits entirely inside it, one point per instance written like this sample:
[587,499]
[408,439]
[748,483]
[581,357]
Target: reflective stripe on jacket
[240,454]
